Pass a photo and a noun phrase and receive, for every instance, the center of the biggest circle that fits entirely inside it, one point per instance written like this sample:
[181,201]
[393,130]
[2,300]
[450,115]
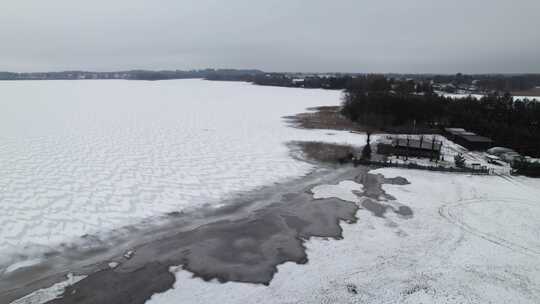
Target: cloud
[296,35]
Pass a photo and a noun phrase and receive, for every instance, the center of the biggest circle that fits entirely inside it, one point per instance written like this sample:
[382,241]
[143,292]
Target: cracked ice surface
[83,157]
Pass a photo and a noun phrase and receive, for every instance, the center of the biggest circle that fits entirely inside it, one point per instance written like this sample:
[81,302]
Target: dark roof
[476,138]
[468,136]
[426,144]
[454,129]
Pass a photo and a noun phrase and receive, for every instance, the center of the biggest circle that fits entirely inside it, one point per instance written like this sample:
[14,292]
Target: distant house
[469,140]
[425,148]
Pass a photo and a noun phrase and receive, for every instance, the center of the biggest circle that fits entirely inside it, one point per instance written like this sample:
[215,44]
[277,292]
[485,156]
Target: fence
[470,170]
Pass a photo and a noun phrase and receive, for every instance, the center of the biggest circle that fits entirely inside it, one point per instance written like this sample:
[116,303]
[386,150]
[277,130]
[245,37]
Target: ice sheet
[84,157]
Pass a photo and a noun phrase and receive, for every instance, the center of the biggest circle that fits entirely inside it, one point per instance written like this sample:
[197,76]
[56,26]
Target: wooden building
[423,147]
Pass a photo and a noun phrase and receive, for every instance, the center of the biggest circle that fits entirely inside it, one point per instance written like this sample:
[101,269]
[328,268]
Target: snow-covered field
[80,157]
[472,239]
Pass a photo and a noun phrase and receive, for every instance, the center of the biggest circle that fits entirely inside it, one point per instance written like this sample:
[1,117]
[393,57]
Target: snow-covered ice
[22,264]
[345,190]
[472,239]
[83,157]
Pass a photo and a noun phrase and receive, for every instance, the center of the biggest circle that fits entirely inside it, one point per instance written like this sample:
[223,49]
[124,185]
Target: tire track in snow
[449,213]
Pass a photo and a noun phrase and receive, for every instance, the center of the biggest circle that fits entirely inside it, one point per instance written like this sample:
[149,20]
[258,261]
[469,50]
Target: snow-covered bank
[83,157]
[473,239]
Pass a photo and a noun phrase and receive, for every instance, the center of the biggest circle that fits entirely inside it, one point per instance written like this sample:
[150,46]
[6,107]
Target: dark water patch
[374,207]
[108,286]
[379,209]
[92,253]
[373,185]
[404,211]
[248,250]
[401,181]
[376,196]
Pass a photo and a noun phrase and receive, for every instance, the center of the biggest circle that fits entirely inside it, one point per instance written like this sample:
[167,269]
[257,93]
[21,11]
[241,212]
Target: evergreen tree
[459,160]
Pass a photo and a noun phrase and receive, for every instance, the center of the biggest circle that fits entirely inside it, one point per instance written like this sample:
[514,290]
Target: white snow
[129,254]
[344,191]
[23,264]
[48,294]
[82,157]
[472,239]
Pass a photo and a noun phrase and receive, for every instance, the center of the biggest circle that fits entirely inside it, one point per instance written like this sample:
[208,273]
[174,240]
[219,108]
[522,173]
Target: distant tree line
[219,74]
[483,82]
[382,103]
[502,83]
[491,82]
[335,82]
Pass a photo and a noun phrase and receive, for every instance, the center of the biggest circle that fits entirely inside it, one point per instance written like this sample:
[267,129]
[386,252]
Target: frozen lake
[84,157]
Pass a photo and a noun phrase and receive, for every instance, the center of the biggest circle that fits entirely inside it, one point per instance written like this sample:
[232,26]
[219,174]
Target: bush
[459,160]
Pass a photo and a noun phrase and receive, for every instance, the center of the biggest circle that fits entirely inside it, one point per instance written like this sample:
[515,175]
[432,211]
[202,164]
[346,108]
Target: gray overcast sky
[471,36]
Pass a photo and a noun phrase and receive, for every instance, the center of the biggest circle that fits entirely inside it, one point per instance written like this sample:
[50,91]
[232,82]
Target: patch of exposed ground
[535,92]
[330,118]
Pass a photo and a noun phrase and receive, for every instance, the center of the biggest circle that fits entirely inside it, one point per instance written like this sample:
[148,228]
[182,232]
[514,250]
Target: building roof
[468,136]
[498,151]
[455,131]
[476,138]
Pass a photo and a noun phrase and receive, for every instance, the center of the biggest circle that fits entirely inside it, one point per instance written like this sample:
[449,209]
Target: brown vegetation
[532,92]
[323,152]
[324,118]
